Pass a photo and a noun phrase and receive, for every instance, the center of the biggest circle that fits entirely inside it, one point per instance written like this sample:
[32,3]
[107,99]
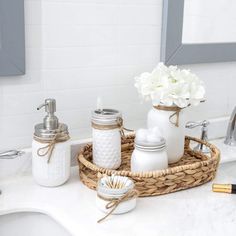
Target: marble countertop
[196,211]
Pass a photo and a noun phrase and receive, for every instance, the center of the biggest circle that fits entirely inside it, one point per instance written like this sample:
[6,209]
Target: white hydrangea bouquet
[170,90]
[170,86]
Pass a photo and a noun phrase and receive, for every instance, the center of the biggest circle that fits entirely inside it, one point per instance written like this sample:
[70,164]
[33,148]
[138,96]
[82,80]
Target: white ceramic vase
[173,130]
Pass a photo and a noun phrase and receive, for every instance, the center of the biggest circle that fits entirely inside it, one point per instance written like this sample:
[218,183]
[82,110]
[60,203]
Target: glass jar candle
[149,156]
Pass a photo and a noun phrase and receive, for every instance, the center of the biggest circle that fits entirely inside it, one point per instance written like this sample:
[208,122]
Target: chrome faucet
[10,154]
[231,131]
[204,124]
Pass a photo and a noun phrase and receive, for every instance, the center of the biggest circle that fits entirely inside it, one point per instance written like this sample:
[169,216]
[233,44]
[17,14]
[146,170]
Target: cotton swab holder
[115,195]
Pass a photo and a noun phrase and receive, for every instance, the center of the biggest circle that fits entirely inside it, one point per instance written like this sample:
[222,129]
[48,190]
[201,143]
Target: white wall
[79,49]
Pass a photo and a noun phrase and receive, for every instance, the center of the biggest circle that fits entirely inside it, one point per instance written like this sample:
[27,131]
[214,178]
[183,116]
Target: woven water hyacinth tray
[192,170]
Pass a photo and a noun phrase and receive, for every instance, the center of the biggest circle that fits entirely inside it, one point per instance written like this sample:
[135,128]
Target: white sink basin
[30,224]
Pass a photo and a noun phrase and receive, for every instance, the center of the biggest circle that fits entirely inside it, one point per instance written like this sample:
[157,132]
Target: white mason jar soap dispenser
[51,154]
[107,124]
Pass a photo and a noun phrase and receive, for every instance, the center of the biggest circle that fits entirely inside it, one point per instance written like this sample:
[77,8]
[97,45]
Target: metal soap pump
[50,126]
[50,121]
[51,154]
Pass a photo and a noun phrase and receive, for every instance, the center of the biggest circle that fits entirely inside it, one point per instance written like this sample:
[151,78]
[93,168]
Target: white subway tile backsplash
[8,143]
[18,126]
[117,2]
[100,56]
[69,13]
[31,82]
[77,50]
[33,12]
[21,103]
[87,97]
[97,35]
[33,37]
[33,59]
[87,77]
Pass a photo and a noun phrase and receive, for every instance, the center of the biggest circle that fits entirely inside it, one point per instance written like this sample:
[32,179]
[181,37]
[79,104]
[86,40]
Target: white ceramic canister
[106,138]
[149,156]
[106,194]
[172,126]
[51,149]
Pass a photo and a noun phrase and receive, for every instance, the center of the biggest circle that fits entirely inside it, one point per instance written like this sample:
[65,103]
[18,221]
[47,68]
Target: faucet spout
[231,131]
[10,154]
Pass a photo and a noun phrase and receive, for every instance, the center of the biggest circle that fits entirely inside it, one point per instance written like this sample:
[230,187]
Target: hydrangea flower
[170,86]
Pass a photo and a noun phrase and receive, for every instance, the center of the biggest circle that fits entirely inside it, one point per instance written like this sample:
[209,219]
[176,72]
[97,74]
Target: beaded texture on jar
[106,138]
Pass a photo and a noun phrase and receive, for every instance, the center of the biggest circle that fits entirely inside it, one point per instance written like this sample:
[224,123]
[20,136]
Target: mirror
[12,38]
[0,38]
[198,31]
[211,21]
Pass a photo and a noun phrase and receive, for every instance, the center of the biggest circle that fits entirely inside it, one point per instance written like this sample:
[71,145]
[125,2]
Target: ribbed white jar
[57,171]
[106,138]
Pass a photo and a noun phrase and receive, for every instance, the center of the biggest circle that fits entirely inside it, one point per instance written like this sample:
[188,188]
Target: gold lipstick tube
[224,188]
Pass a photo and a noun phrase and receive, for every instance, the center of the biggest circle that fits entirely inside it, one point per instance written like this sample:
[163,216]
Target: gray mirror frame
[12,38]
[174,52]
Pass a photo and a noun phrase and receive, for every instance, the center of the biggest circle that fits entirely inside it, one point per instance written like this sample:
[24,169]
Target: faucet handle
[193,124]
[204,124]
[10,154]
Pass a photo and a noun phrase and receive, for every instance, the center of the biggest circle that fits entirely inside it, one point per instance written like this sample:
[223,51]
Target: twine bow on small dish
[113,203]
[47,150]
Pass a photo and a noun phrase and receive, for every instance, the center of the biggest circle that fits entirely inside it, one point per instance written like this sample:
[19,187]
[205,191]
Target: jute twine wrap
[47,150]
[119,125]
[113,203]
[192,170]
[176,111]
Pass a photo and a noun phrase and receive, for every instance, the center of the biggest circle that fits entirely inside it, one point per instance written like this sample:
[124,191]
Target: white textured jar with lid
[51,149]
[149,156]
[106,138]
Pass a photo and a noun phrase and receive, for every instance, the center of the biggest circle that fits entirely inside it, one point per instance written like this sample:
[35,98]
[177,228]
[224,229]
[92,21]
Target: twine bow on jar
[120,124]
[176,113]
[114,202]
[47,150]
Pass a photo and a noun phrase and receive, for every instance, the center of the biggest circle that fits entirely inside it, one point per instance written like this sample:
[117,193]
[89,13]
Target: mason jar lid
[105,116]
[150,146]
[41,132]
